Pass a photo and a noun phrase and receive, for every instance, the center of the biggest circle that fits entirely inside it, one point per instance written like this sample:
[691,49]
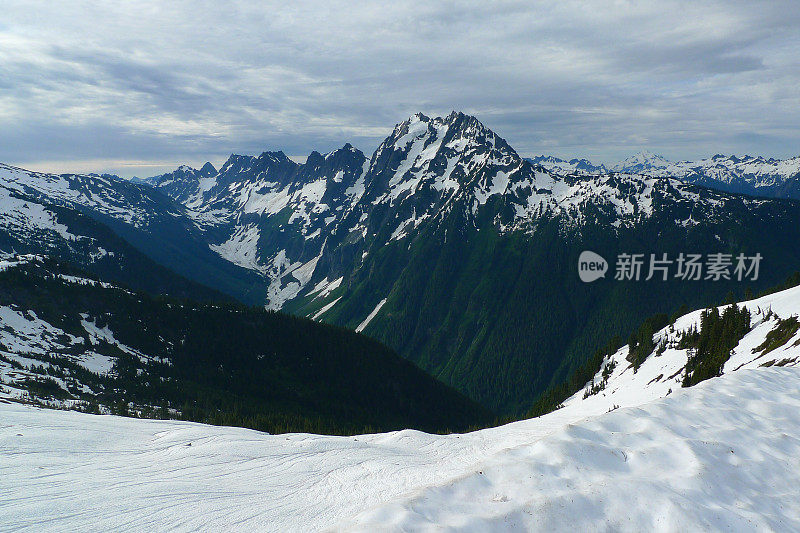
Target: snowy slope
[113,197]
[722,455]
[29,345]
[662,374]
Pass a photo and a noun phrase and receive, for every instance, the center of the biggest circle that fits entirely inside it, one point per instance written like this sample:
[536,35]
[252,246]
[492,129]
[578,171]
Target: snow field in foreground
[723,455]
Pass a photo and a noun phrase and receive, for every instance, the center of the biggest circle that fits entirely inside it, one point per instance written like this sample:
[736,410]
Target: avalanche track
[723,455]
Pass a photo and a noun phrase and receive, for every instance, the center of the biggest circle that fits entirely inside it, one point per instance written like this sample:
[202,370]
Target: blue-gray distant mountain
[562,166]
[753,175]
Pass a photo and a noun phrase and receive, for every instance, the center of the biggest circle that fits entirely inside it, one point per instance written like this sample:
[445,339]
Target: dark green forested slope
[238,365]
[503,317]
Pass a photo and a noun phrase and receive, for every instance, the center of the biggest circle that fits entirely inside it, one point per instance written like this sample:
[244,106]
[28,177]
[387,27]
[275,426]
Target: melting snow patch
[325,308]
[369,318]
[242,248]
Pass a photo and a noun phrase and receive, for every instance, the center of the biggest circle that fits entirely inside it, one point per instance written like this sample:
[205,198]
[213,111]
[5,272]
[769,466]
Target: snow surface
[723,455]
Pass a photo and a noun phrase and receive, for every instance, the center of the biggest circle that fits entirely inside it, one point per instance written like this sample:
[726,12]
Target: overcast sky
[140,87]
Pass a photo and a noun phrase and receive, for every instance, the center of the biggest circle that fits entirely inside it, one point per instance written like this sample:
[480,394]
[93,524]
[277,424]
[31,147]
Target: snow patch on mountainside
[84,281]
[325,308]
[325,287]
[242,248]
[370,316]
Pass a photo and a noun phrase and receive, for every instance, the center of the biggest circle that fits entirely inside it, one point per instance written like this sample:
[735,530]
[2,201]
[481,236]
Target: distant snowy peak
[642,162]
[748,173]
[183,183]
[754,175]
[199,189]
[562,166]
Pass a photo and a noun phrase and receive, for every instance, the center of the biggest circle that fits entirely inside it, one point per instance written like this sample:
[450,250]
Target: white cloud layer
[160,82]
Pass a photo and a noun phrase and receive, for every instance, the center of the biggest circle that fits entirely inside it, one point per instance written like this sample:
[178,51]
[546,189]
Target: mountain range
[753,175]
[444,243]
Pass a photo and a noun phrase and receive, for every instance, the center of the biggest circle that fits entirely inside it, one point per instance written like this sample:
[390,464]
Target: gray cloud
[138,87]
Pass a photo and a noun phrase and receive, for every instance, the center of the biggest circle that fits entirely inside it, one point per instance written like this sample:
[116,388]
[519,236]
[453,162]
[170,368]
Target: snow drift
[722,455]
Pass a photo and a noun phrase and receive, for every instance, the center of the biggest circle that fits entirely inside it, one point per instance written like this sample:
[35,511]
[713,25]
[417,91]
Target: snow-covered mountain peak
[346,149]
[345,152]
[264,163]
[426,163]
[420,126]
[277,217]
[562,166]
[274,156]
[642,161]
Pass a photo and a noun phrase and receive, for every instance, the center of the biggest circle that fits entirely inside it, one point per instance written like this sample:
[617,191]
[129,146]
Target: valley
[444,244]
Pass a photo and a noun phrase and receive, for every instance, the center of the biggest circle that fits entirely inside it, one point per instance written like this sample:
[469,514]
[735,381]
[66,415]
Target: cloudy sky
[136,88]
